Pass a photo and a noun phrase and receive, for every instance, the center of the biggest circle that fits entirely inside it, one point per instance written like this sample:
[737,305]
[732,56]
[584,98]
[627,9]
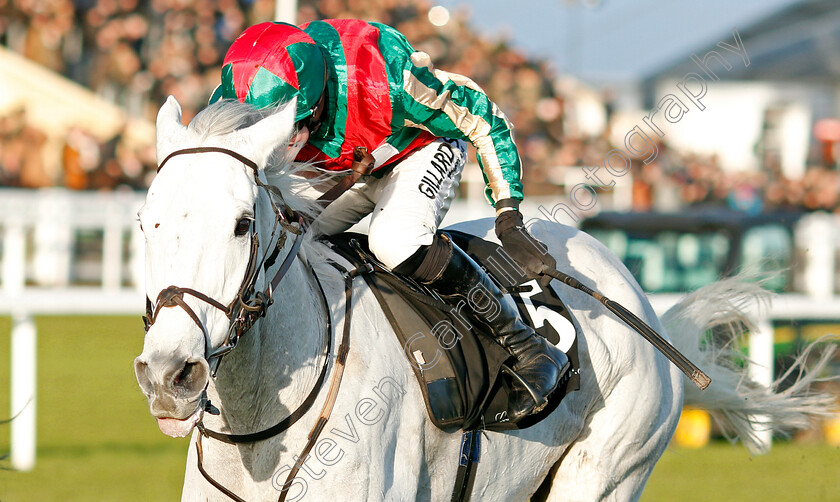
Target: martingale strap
[295,415]
[341,359]
[326,411]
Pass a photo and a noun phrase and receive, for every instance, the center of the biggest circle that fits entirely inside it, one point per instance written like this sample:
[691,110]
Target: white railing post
[286,11]
[54,216]
[23,399]
[52,239]
[23,345]
[136,260]
[14,258]
[815,234]
[112,248]
[761,371]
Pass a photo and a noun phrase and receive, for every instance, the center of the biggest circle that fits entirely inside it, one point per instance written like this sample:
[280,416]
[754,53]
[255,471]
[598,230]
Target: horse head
[207,225]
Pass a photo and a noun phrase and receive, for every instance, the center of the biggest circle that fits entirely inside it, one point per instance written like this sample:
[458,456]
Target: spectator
[20,152]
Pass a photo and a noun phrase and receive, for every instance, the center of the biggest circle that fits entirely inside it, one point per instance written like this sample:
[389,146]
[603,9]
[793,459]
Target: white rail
[41,234]
[44,271]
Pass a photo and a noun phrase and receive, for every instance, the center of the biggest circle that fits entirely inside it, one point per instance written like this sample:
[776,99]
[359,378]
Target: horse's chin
[178,428]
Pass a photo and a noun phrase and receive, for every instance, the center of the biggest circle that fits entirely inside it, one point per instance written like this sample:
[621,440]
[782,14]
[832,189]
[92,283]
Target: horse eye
[242,226]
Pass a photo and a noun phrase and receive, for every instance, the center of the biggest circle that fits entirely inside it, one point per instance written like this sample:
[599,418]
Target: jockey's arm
[453,106]
[450,105]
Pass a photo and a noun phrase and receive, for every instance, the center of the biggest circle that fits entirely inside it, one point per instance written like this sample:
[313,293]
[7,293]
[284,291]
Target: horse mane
[228,116]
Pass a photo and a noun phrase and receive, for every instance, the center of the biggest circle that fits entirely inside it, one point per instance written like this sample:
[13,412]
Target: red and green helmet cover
[271,63]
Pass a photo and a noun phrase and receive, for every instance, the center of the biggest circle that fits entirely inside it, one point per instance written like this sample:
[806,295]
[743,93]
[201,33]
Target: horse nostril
[140,371]
[185,373]
[191,378]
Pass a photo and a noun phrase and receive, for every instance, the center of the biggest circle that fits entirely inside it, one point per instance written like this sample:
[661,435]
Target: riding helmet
[271,63]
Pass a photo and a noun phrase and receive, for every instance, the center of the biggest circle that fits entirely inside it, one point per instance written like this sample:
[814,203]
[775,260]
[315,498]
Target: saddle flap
[459,370]
[455,369]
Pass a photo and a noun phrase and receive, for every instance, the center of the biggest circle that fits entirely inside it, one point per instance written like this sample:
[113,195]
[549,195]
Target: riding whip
[695,374]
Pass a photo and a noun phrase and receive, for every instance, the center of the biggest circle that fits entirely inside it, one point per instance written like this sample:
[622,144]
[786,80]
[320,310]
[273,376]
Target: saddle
[460,370]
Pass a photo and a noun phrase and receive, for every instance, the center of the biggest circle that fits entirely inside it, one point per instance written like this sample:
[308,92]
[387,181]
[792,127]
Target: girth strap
[465,476]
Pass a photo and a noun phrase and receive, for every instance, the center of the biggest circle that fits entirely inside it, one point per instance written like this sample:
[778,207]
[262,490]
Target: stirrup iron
[539,401]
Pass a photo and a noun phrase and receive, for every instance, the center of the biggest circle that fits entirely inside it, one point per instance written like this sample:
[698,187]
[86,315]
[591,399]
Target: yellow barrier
[693,429]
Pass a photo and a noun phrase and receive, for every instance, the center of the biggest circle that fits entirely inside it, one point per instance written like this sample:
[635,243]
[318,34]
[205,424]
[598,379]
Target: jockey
[361,84]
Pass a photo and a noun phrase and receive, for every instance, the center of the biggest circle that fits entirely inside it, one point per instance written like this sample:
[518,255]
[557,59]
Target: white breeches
[407,204]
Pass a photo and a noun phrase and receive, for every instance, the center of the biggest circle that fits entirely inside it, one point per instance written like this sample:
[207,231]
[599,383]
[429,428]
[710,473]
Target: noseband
[249,304]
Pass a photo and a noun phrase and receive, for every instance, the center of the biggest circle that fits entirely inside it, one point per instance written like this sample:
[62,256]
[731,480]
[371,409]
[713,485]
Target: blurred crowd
[136,52]
[86,162]
[21,163]
[677,180]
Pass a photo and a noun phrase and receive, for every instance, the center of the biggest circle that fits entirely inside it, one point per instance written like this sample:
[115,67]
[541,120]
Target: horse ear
[271,132]
[169,128]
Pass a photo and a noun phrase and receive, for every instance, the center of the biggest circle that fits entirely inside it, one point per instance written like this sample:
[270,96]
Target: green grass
[723,472]
[97,441]
[96,438]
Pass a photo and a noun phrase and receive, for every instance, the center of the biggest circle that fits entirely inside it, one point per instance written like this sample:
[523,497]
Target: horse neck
[277,362]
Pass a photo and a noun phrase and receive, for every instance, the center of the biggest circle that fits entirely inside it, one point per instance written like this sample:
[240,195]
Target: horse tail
[707,327]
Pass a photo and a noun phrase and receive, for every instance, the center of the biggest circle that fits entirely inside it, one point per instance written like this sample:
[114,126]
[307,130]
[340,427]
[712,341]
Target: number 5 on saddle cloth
[460,370]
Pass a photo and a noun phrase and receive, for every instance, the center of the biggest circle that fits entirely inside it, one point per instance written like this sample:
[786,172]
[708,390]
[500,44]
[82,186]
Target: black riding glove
[531,254]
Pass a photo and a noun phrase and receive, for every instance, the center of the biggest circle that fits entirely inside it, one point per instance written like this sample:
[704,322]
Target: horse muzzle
[174,388]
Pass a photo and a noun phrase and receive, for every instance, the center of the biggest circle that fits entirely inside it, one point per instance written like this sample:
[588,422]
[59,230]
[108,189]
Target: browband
[212,149]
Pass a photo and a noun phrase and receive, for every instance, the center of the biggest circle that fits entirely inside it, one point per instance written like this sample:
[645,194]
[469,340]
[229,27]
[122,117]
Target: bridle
[247,307]
[249,304]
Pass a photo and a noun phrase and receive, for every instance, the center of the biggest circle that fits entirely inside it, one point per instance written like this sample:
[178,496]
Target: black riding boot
[539,365]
